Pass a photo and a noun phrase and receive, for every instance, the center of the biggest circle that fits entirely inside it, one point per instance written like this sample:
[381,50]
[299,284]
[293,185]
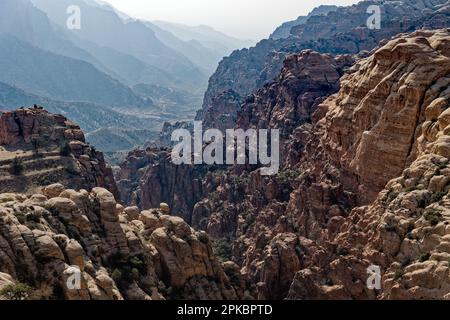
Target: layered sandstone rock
[149,177]
[40,148]
[120,253]
[305,81]
[344,31]
[303,233]
[388,121]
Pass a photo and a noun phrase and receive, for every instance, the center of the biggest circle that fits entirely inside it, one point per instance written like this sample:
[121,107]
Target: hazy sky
[250,19]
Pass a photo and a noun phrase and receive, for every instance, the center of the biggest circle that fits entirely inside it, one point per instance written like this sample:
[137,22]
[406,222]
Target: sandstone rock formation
[119,253]
[388,122]
[39,148]
[149,177]
[312,231]
[343,31]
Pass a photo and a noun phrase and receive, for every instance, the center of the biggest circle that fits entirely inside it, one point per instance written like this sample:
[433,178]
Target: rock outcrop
[149,177]
[344,31]
[46,240]
[388,122]
[312,231]
[39,148]
[284,31]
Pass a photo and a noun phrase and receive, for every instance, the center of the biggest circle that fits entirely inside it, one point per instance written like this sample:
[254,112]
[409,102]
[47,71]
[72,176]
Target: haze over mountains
[364,149]
[105,65]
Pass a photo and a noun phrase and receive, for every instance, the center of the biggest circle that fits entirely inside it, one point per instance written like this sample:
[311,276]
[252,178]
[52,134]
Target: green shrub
[203,237]
[223,249]
[116,275]
[392,195]
[433,217]
[437,196]
[19,291]
[288,176]
[424,257]
[440,167]
[134,274]
[398,274]
[21,217]
[410,189]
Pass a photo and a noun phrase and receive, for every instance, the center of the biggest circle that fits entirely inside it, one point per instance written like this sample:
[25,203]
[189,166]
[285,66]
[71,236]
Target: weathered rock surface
[305,81]
[343,31]
[311,231]
[40,148]
[386,122]
[120,253]
[284,31]
[149,177]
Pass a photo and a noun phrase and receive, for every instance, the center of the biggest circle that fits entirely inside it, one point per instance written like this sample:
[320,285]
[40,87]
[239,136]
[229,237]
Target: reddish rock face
[385,123]
[364,179]
[40,148]
[149,177]
[388,120]
[305,81]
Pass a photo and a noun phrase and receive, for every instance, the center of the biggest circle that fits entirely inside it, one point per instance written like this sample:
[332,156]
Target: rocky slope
[305,81]
[343,31]
[38,148]
[389,121]
[312,230]
[284,31]
[120,253]
[148,177]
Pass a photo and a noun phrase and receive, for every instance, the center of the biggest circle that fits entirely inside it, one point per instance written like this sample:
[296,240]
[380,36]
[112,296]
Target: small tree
[19,291]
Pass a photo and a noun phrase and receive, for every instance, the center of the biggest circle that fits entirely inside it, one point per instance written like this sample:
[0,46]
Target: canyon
[363,183]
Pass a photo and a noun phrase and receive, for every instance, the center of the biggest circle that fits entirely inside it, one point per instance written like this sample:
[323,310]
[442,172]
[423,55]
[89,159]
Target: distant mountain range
[101,69]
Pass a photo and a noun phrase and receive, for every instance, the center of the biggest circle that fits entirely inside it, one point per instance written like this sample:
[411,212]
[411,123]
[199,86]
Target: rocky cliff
[389,122]
[149,177]
[119,253]
[38,148]
[344,31]
[312,231]
[284,31]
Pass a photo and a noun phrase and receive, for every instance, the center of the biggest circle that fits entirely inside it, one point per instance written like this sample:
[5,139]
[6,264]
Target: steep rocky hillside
[343,31]
[148,177]
[120,253]
[388,121]
[284,31]
[364,178]
[38,148]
